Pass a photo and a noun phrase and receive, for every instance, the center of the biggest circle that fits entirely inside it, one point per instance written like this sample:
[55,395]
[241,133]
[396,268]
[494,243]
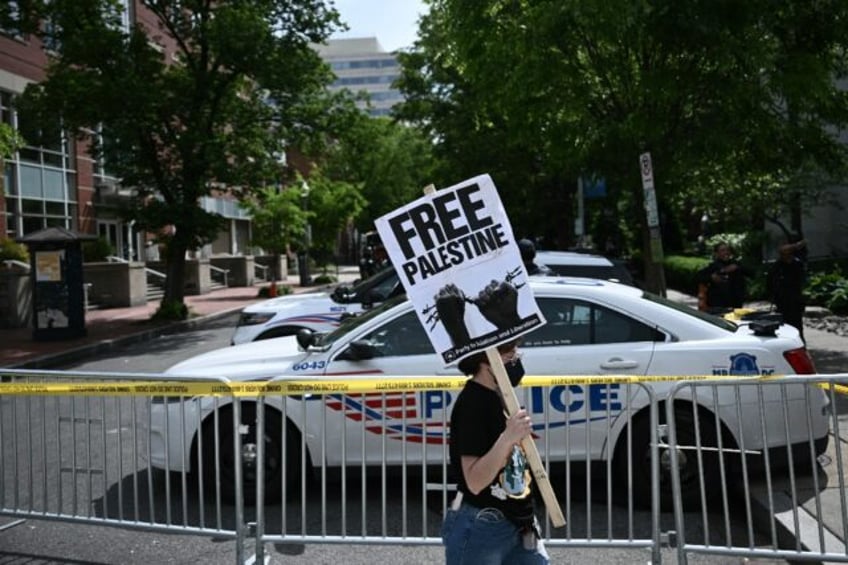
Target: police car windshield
[353,322]
[714,320]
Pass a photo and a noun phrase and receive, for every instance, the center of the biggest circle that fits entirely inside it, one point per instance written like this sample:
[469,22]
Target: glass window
[54,187]
[31,181]
[577,322]
[401,337]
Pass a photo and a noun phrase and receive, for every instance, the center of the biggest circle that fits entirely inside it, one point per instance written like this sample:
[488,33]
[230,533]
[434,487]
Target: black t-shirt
[476,423]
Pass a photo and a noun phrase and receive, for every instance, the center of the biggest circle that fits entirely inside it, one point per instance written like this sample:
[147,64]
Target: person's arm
[480,471]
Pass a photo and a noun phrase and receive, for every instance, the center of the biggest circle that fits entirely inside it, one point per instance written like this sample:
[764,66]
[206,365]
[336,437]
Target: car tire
[276,456]
[690,483]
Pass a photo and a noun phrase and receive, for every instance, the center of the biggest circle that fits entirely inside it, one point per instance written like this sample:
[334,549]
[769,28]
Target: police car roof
[571,258]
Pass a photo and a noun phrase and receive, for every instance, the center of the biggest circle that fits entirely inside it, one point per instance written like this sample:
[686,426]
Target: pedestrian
[491,520]
[528,254]
[723,280]
[785,283]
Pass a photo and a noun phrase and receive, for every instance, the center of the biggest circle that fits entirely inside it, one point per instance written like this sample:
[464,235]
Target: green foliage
[332,205]
[277,217]
[736,102]
[681,272]
[747,246]
[10,249]
[97,250]
[323,279]
[265,291]
[242,84]
[828,289]
[170,311]
[391,162]
[10,141]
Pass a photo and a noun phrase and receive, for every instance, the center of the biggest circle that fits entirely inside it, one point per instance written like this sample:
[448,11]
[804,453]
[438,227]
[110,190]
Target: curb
[104,346]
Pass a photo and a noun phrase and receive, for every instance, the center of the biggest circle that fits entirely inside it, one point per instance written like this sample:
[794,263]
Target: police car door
[583,338]
[385,421]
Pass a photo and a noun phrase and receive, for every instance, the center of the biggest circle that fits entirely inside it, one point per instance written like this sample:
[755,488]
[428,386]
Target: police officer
[528,253]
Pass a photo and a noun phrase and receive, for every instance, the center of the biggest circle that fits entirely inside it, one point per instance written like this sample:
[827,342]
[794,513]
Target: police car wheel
[274,456]
[690,469]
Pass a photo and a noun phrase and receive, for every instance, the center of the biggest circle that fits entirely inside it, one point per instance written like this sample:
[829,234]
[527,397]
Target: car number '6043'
[309,366]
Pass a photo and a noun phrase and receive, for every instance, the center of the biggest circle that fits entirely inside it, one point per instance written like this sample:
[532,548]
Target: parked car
[574,264]
[313,311]
[593,327]
[322,311]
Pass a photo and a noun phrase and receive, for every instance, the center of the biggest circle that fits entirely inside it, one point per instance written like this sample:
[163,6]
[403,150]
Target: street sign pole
[653,216]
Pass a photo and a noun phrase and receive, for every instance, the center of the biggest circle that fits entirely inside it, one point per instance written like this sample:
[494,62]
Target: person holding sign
[491,520]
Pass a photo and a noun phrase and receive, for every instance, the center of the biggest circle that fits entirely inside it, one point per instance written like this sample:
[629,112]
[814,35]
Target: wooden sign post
[530,451]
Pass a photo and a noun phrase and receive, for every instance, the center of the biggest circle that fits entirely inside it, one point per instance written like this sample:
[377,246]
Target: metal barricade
[84,455]
[768,450]
[365,460]
[372,467]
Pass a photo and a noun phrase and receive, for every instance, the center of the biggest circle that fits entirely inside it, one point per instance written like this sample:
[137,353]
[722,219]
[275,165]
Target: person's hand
[498,303]
[518,427]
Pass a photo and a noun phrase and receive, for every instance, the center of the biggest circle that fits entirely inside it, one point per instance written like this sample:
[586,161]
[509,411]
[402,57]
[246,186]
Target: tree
[230,85]
[734,100]
[10,141]
[391,162]
[277,220]
[331,206]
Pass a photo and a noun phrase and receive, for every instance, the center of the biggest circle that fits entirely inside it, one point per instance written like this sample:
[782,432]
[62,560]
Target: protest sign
[457,258]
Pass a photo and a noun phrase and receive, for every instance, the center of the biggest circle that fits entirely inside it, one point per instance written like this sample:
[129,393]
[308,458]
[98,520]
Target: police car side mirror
[304,338]
[359,350]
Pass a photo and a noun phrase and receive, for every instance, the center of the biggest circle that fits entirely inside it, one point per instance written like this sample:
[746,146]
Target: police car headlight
[254,318]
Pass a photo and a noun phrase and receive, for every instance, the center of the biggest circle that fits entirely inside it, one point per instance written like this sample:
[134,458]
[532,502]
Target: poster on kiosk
[458,260]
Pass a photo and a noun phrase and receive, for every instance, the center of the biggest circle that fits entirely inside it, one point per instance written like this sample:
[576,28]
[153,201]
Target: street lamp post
[303,256]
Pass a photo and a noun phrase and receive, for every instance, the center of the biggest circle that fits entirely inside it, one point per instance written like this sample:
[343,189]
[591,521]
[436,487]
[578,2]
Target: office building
[361,65]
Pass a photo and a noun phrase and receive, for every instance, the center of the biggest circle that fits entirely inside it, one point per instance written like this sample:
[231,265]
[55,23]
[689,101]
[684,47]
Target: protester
[785,283]
[528,254]
[491,520]
[724,281]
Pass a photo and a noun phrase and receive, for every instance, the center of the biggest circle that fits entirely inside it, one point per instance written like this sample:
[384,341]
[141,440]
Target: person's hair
[527,249]
[722,243]
[471,364]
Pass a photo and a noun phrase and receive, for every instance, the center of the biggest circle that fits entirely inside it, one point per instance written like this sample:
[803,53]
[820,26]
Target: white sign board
[648,188]
[457,258]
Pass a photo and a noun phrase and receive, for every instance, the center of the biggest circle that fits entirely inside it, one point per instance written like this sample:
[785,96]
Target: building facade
[361,65]
[61,185]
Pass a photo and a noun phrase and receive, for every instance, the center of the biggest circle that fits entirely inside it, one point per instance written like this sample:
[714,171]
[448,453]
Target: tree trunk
[175,272]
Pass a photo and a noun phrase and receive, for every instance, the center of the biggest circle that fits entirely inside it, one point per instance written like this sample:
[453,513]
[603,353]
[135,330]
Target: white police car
[314,311]
[593,327]
[322,311]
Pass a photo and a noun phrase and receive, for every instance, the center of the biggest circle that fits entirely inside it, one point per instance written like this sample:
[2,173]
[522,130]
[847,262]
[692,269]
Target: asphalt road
[51,542]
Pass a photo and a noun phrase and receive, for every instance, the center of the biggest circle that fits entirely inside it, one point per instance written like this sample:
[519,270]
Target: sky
[392,22]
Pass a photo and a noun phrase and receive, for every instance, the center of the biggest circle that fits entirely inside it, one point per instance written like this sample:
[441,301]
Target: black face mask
[515,372]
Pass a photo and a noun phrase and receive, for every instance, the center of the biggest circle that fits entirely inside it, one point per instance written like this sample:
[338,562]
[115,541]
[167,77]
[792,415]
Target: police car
[322,311]
[314,311]
[594,327]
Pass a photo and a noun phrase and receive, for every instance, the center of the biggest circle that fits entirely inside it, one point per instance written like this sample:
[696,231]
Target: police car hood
[254,360]
[309,301]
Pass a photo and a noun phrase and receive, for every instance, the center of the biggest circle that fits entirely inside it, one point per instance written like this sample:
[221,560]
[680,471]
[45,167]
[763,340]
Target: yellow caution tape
[384,384]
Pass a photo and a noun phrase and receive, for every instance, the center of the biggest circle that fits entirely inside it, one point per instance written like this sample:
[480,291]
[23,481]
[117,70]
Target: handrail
[263,270]
[15,263]
[225,272]
[116,259]
[156,274]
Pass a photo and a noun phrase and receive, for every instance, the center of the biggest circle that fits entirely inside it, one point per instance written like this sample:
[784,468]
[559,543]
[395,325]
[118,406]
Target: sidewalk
[110,327]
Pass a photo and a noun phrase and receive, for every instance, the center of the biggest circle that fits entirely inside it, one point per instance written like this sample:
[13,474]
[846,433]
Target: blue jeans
[474,536]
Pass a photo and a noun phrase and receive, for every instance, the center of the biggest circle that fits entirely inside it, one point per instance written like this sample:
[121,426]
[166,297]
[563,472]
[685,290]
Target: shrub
[265,291]
[12,250]
[828,289]
[97,250]
[681,272]
[324,279]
